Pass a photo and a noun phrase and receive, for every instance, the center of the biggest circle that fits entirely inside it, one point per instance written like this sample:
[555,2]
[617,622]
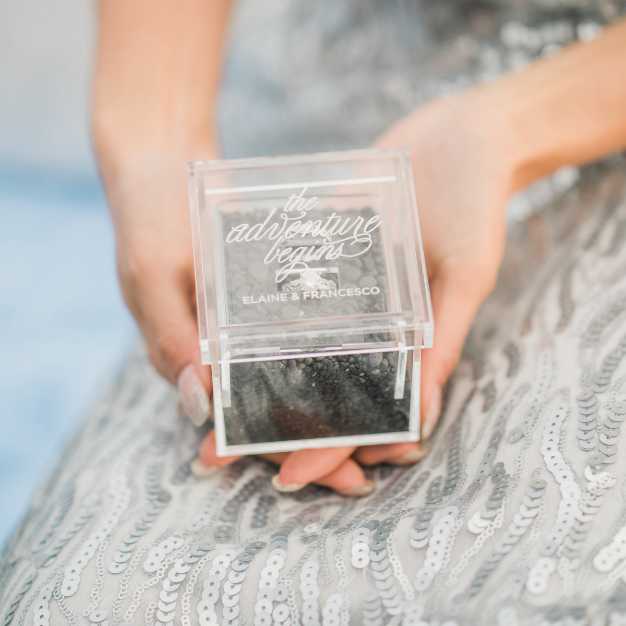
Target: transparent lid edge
[195,166]
[407,166]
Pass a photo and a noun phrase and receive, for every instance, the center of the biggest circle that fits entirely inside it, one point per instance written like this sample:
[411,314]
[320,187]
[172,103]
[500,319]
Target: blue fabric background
[63,327]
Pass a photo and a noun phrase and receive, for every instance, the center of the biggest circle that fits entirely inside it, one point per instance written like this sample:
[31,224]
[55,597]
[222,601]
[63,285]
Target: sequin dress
[517,516]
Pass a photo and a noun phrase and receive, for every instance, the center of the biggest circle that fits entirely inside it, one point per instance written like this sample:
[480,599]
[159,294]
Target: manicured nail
[193,396]
[285,487]
[360,490]
[432,414]
[200,470]
[412,456]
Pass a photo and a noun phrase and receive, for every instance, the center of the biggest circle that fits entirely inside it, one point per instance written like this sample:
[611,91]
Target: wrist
[486,109]
[132,162]
[565,109]
[136,147]
[528,127]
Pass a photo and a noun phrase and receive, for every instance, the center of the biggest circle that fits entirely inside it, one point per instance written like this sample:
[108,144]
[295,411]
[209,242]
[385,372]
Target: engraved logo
[301,243]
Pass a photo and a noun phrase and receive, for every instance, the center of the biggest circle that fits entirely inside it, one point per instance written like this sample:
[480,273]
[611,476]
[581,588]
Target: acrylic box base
[409,434]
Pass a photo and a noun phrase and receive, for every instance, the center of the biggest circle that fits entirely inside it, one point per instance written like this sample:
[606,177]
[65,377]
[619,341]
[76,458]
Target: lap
[516,516]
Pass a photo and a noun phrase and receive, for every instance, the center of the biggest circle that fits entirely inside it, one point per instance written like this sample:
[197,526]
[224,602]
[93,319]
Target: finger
[348,479]
[167,320]
[207,455]
[305,466]
[207,461]
[394,453]
[456,296]
[166,317]
[194,395]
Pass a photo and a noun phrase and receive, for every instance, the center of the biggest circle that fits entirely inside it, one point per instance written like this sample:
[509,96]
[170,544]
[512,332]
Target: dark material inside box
[309,398]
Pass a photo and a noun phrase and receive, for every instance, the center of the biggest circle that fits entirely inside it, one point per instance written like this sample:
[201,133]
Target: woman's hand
[472,151]
[155,82]
[464,168]
[146,187]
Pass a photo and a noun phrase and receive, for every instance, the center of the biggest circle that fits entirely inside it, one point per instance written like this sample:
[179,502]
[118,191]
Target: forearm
[567,109]
[157,73]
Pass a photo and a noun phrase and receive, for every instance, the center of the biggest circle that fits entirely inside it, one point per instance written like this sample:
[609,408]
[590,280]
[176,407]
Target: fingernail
[285,487]
[412,456]
[432,414]
[360,490]
[200,470]
[193,396]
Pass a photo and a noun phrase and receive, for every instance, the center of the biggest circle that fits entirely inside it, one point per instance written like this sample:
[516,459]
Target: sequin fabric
[516,517]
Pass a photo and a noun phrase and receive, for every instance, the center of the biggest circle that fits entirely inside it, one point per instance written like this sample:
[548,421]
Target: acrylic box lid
[308,255]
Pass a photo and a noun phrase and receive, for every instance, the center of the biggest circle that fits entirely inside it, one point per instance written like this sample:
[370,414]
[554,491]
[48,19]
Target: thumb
[456,296]
[167,321]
